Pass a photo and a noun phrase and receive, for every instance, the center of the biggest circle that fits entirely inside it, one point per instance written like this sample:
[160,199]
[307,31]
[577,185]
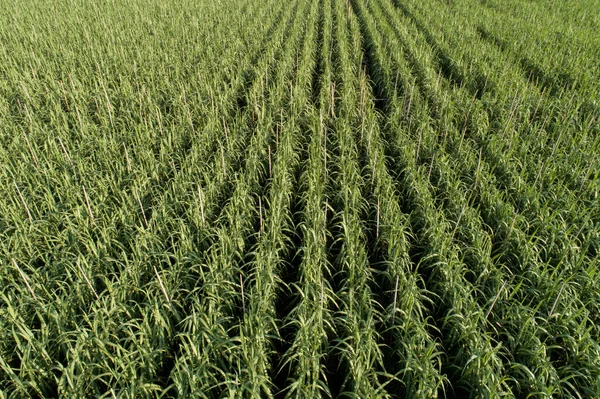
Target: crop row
[358,198]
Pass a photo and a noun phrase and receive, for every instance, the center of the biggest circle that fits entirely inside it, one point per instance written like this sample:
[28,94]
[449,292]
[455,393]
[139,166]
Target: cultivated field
[301,199]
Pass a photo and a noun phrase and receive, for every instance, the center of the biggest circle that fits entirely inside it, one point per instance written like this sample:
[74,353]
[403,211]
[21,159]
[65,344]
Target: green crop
[327,199]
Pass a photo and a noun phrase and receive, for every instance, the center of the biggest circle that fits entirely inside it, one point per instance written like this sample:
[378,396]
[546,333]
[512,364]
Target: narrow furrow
[415,356]
[260,325]
[210,340]
[359,342]
[473,363]
[311,318]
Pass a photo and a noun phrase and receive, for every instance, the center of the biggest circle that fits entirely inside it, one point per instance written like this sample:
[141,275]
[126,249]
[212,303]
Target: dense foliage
[304,199]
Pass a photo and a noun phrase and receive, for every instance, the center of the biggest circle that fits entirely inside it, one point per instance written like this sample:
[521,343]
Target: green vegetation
[311,199]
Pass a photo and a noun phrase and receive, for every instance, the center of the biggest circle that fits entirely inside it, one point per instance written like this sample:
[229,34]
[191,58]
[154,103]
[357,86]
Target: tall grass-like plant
[342,198]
